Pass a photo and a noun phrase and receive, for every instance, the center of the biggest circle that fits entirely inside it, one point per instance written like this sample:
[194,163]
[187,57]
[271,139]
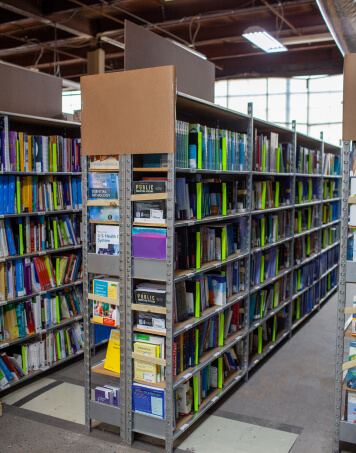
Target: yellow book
[22,152]
[145,371]
[29,149]
[112,359]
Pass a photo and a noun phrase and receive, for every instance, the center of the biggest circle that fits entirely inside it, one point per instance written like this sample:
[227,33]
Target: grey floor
[290,398]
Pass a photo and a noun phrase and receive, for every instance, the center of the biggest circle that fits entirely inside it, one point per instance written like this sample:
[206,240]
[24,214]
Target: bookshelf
[344,429]
[290,247]
[26,219]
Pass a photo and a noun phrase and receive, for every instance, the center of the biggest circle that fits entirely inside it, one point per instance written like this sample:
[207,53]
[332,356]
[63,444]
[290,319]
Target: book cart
[344,430]
[301,297]
[36,126]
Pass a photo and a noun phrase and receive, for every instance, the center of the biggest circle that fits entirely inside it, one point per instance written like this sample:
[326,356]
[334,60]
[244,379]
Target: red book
[10,366]
[29,318]
[39,272]
[235,317]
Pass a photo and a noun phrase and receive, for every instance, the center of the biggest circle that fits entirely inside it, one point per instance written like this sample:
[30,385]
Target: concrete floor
[292,393]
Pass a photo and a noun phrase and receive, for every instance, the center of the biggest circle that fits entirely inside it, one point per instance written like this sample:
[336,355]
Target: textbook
[148,400]
[104,213]
[150,294]
[146,371]
[149,243]
[103,186]
[140,187]
[106,313]
[112,359]
[107,240]
[153,211]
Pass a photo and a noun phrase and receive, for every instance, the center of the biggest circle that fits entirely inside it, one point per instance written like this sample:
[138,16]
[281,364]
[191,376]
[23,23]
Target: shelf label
[190,223]
[187,327]
[214,399]
[184,427]
[216,354]
[5,345]
[41,253]
[237,377]
[191,274]
[187,376]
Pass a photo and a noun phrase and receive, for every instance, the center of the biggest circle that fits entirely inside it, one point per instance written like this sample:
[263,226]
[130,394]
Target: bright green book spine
[278,160]
[275,295]
[55,195]
[276,198]
[223,244]
[262,268]
[223,150]
[54,155]
[17,155]
[55,234]
[18,195]
[263,157]
[274,328]
[224,199]
[200,151]
[221,329]
[308,245]
[199,200]
[309,218]
[263,197]
[197,299]
[259,337]
[298,308]
[196,346]
[299,274]
[220,372]
[198,252]
[263,228]
[57,270]
[196,393]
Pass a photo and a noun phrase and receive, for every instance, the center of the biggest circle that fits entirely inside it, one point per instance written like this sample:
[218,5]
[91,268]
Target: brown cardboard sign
[349,104]
[130,112]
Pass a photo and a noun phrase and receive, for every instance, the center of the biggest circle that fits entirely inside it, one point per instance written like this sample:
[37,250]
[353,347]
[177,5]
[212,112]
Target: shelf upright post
[249,189]
[293,170]
[87,311]
[170,401]
[344,161]
[129,295]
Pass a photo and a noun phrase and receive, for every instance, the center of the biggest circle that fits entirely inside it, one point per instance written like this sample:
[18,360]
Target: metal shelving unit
[169,429]
[44,126]
[343,429]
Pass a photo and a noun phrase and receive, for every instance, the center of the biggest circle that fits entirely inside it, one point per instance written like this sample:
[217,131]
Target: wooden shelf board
[104,170]
[156,225]
[103,202]
[149,331]
[161,385]
[344,387]
[149,196]
[101,370]
[149,308]
[104,222]
[348,332]
[150,169]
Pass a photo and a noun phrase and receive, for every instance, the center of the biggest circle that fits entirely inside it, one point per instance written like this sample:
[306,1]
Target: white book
[107,239]
[44,154]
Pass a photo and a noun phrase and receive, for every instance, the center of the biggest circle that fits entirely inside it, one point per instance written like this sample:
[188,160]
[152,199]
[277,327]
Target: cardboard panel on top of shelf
[129,112]
[349,103]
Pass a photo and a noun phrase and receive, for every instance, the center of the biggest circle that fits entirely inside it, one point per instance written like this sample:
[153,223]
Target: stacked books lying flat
[331,165]
[152,346]
[152,294]
[331,212]
[26,235]
[39,153]
[307,190]
[104,162]
[271,156]
[54,346]
[214,332]
[32,316]
[26,194]
[263,301]
[198,197]
[203,147]
[104,186]
[23,277]
[267,264]
[103,312]
[305,246]
[308,161]
[267,229]
[267,332]
[306,275]
[270,194]
[198,245]
[193,296]
[329,236]
[304,303]
[192,393]
[108,394]
[331,189]
[306,219]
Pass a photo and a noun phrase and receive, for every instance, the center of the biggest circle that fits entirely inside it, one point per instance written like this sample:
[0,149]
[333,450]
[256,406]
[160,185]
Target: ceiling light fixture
[258,36]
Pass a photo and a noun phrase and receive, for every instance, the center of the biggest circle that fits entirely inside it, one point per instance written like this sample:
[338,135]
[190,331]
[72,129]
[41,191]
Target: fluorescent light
[113,42]
[264,40]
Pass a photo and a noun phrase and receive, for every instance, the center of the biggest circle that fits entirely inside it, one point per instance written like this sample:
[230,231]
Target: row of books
[190,345]
[351,246]
[198,197]
[26,194]
[193,296]
[267,229]
[308,160]
[32,316]
[23,277]
[26,235]
[36,355]
[329,236]
[192,393]
[268,263]
[331,164]
[330,211]
[203,147]
[306,219]
[331,189]
[198,245]
[305,246]
[39,153]
[270,194]
[307,190]
[303,304]
[271,156]
[264,300]
[329,259]
[306,275]
[267,332]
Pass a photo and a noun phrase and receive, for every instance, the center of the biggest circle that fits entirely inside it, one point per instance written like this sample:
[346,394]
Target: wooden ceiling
[54,36]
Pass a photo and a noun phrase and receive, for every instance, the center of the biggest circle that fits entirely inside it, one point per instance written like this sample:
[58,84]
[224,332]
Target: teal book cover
[351,373]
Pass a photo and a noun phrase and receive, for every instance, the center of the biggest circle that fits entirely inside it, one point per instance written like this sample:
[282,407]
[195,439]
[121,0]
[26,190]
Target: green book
[274,328]
[63,231]
[275,295]
[18,195]
[263,196]
[54,156]
[55,234]
[308,245]
[329,282]
[262,268]
[200,151]
[58,262]
[23,353]
[259,338]
[309,218]
[263,227]
[196,346]
[223,152]
[21,237]
[276,198]
[199,200]
[58,341]
[310,191]
[55,195]
[263,157]
[196,391]
[299,274]
[198,250]
[220,373]
[298,308]
[309,164]
[17,155]
[324,214]
[223,243]
[197,299]
[278,160]
[300,192]
[221,329]
[224,199]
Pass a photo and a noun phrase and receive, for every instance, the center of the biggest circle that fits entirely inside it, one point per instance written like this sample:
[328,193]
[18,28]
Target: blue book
[148,400]
[2,195]
[34,193]
[74,194]
[102,186]
[5,193]
[19,278]
[6,371]
[241,153]
[10,238]
[253,300]
[21,322]
[79,191]
[11,193]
